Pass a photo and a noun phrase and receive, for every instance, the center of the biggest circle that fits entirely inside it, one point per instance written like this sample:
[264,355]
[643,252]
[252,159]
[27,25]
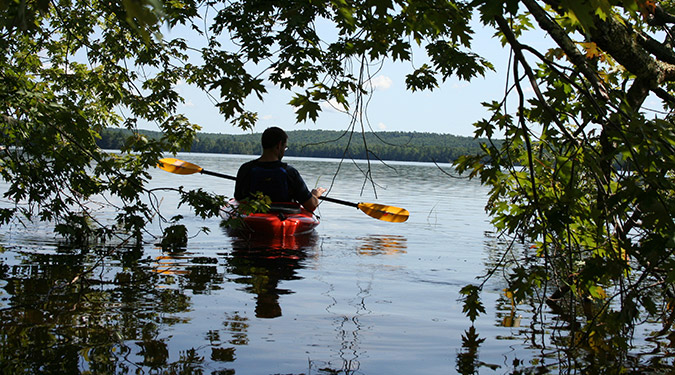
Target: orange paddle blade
[385,213]
[178,166]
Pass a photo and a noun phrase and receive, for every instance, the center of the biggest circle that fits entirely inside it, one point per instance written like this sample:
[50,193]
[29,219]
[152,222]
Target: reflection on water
[347,319]
[171,264]
[63,313]
[468,361]
[382,245]
[261,263]
[242,241]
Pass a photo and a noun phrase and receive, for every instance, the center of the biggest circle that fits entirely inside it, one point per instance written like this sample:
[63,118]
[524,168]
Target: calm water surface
[359,296]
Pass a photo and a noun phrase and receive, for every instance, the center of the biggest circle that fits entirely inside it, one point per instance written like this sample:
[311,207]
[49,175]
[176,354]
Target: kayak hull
[283,220]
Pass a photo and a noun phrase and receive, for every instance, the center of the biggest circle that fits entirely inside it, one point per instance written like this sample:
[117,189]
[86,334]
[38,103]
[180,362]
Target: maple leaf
[592,50]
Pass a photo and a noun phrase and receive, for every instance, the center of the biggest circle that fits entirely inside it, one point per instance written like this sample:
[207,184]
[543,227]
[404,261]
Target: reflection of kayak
[273,246]
[283,220]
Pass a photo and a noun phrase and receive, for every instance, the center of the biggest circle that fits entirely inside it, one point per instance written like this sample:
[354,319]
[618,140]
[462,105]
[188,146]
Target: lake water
[359,296]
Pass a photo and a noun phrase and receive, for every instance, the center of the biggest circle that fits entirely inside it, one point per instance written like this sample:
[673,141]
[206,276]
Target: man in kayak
[267,174]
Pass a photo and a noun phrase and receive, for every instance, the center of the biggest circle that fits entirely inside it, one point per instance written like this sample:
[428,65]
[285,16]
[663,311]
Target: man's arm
[301,194]
[313,202]
[240,185]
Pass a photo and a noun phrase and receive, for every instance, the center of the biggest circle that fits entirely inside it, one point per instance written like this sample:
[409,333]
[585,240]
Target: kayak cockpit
[283,219]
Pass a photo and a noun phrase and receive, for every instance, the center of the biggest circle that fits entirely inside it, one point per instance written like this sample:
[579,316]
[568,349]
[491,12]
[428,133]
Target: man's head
[274,141]
[272,136]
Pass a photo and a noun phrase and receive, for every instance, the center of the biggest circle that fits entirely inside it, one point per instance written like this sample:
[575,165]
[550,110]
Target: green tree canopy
[583,182]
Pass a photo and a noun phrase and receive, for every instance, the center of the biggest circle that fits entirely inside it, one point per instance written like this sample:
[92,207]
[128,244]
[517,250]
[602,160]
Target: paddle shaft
[218,175]
[339,201]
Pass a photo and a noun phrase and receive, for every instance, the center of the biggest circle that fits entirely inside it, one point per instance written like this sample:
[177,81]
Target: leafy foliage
[583,179]
[175,238]
[55,103]
[234,220]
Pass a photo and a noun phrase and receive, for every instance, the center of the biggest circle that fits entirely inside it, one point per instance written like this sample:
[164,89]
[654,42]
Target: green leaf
[421,79]
[175,238]
[473,306]
[305,108]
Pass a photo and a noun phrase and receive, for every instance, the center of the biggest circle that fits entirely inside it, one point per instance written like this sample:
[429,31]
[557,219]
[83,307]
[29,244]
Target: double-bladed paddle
[378,211]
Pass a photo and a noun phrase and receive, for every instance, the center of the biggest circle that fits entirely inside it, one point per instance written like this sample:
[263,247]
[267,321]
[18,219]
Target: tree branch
[659,17]
[520,59]
[659,50]
[562,39]
[623,44]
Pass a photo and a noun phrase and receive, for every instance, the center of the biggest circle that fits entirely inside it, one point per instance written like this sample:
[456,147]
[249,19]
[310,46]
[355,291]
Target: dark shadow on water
[263,262]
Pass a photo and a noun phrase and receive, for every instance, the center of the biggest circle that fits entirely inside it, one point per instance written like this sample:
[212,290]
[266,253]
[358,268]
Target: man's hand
[318,191]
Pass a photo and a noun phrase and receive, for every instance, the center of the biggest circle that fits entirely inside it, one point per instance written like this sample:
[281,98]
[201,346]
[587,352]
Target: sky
[452,108]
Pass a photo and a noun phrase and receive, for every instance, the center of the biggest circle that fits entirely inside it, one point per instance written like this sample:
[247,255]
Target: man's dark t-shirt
[280,181]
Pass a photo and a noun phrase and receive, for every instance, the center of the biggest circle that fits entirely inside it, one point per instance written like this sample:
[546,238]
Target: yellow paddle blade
[385,213]
[178,166]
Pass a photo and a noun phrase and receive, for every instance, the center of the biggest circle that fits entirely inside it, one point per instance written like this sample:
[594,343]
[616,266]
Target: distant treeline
[404,146]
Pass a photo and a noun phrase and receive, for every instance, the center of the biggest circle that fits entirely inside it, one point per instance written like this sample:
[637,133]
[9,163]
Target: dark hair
[272,136]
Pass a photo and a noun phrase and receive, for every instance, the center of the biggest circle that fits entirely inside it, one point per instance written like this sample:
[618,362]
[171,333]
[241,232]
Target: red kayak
[283,220]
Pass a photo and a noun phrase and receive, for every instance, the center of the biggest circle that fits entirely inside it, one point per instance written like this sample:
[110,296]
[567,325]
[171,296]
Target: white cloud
[188,103]
[382,126]
[332,106]
[381,82]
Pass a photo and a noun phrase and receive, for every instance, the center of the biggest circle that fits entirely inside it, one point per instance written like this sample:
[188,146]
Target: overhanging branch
[562,39]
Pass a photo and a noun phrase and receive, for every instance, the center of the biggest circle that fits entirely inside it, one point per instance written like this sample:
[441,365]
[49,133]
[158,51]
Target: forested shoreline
[403,146]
